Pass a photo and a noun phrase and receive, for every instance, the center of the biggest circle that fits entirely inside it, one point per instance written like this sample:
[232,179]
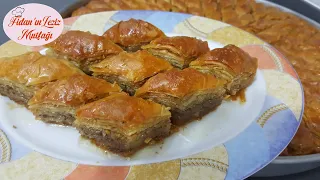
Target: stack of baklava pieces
[296,38]
[126,88]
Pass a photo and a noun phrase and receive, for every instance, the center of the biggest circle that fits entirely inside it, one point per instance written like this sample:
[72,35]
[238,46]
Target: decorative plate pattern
[238,158]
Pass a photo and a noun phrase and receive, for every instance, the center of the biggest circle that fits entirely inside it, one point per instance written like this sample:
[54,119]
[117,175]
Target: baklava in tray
[178,50]
[22,75]
[189,93]
[56,102]
[132,34]
[130,70]
[123,124]
[82,48]
[229,63]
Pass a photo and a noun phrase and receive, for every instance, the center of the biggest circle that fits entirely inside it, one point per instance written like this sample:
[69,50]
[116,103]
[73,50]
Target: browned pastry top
[79,45]
[133,32]
[180,83]
[75,90]
[122,110]
[34,69]
[230,55]
[184,46]
[134,67]
[312,108]
[304,142]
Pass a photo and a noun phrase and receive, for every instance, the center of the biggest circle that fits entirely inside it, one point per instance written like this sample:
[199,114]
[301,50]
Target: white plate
[230,119]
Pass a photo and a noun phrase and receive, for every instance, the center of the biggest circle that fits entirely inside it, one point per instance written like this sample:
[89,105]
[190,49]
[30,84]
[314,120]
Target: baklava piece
[22,75]
[189,93]
[130,70]
[178,50]
[123,124]
[132,34]
[56,102]
[229,63]
[83,48]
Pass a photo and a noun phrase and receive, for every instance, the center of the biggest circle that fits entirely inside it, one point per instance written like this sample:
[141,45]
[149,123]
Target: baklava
[56,102]
[132,34]
[178,50]
[82,48]
[130,70]
[229,63]
[22,75]
[189,93]
[123,124]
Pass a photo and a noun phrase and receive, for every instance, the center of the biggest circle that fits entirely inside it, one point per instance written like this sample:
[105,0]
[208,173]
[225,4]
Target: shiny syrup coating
[180,83]
[133,32]
[185,46]
[134,67]
[79,45]
[75,90]
[120,108]
[35,69]
[231,56]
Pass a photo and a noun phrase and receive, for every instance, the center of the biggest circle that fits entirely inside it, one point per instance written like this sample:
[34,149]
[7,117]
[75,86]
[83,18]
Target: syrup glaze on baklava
[123,124]
[229,63]
[132,34]
[189,93]
[130,70]
[83,48]
[22,75]
[56,102]
[178,50]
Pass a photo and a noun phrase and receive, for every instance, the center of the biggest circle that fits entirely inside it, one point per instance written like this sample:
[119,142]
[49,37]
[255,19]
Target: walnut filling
[127,86]
[123,144]
[191,107]
[53,114]
[18,94]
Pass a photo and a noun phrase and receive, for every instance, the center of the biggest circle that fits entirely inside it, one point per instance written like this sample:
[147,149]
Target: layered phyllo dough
[82,48]
[178,50]
[130,70]
[229,63]
[189,93]
[123,124]
[132,34]
[22,75]
[57,102]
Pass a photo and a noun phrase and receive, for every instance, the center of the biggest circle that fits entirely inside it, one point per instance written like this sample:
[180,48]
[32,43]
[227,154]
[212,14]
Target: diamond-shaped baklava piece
[123,124]
[132,34]
[178,50]
[229,63]
[83,48]
[22,75]
[189,93]
[56,102]
[130,70]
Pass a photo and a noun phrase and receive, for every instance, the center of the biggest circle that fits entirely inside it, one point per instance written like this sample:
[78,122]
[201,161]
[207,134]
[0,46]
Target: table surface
[296,5]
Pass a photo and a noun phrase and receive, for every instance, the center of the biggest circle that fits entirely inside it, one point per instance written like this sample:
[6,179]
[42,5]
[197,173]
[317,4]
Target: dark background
[296,5]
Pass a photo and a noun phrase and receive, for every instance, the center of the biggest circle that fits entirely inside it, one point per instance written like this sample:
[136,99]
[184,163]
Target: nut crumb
[15,127]
[147,140]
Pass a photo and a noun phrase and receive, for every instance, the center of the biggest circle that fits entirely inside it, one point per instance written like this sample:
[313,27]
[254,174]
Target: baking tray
[282,165]
[285,165]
